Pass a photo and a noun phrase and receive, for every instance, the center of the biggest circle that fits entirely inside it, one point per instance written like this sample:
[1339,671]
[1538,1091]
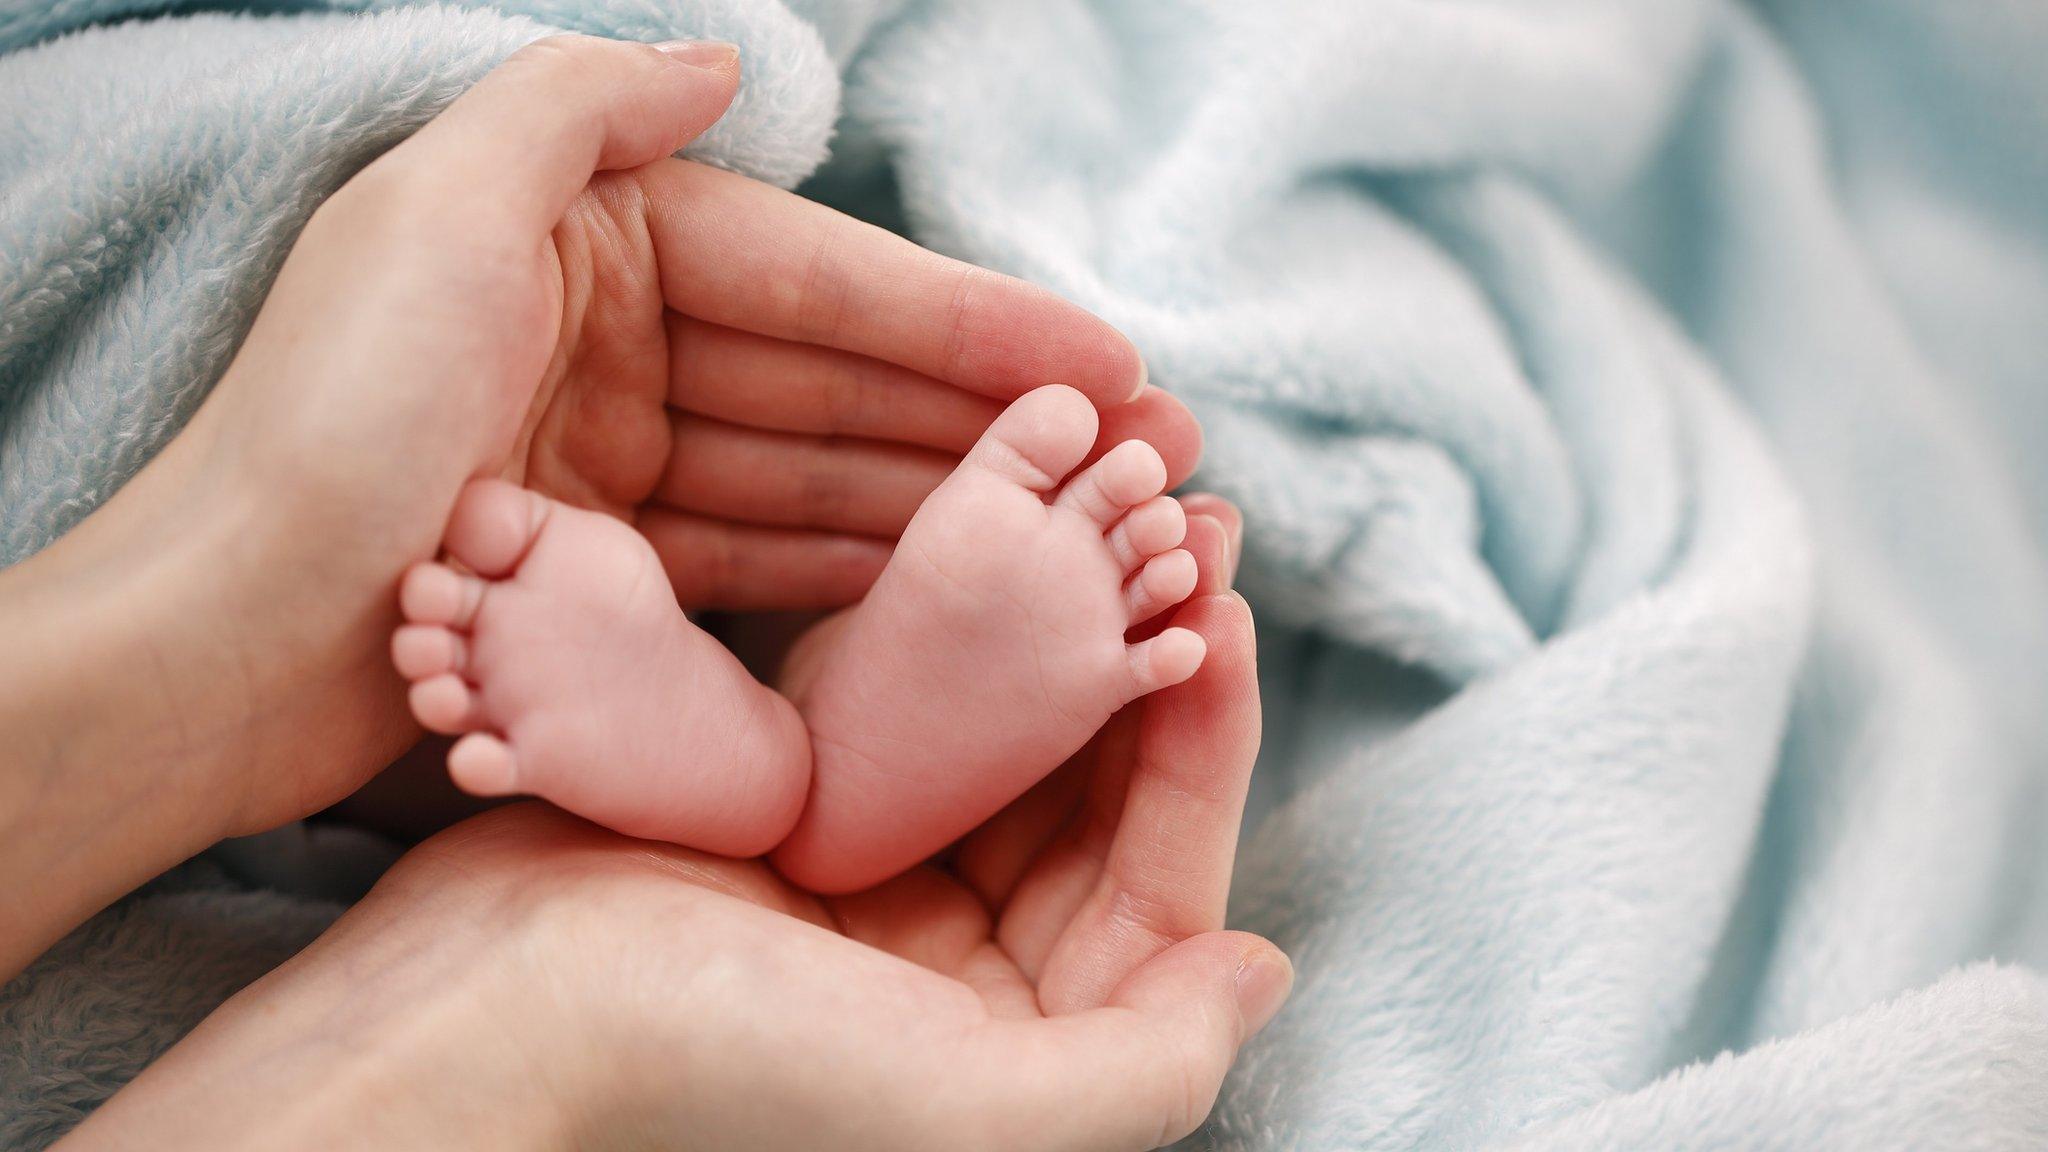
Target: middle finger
[745,378]
[781,479]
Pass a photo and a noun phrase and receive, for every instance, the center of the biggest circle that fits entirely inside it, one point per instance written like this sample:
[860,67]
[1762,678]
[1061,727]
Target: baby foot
[993,645]
[562,660]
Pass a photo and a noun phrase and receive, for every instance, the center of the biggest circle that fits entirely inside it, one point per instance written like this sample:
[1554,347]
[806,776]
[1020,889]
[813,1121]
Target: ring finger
[789,480]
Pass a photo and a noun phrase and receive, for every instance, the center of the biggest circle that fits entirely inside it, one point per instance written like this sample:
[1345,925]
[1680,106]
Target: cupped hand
[530,287]
[528,979]
[770,388]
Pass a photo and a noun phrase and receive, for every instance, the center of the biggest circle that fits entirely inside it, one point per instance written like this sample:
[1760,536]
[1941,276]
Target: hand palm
[1043,978]
[766,388]
[771,411]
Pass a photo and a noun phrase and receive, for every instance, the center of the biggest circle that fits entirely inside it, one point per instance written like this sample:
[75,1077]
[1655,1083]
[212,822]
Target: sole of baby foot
[992,647]
[557,654]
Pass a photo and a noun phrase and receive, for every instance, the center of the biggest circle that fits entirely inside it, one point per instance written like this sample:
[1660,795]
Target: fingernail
[1263,981]
[711,55]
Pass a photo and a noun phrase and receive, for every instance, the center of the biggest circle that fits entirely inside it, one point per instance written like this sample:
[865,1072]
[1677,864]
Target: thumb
[1237,971]
[1143,1070]
[531,133]
[430,271]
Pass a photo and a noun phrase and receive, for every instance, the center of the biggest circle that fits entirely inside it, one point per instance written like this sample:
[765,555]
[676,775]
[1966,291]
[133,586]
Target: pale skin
[514,291]
[527,980]
[991,648]
[207,655]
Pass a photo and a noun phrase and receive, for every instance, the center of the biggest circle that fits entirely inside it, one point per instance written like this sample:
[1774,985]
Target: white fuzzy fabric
[149,200]
[1635,408]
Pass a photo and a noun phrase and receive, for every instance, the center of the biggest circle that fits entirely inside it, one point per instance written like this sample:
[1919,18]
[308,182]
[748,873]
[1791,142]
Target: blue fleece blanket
[1636,409]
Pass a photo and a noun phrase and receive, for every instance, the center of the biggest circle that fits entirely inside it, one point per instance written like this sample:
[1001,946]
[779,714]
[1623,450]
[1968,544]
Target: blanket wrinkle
[1633,407]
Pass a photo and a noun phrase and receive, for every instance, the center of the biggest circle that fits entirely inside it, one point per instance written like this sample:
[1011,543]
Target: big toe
[493,525]
[1038,439]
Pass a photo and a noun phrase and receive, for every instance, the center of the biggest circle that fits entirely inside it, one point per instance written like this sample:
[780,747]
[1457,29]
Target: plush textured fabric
[167,165]
[97,1008]
[1634,407]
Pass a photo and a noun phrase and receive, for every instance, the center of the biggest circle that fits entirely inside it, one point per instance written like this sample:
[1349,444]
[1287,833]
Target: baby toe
[444,704]
[1164,581]
[1127,474]
[438,594]
[483,765]
[1038,439]
[1147,530]
[1165,660]
[493,525]
[422,650]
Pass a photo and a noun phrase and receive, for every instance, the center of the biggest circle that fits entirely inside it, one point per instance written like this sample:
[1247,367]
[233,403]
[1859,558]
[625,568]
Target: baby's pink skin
[991,648]
[571,674]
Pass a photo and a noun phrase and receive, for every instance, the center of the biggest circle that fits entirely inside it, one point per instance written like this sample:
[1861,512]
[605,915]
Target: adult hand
[527,979]
[527,287]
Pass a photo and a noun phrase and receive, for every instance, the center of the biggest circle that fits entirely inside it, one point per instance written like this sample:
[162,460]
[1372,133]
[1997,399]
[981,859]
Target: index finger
[1166,877]
[739,253]
[994,857]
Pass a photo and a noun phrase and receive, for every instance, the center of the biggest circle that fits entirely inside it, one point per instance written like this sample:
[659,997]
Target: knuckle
[970,284]
[851,400]
[1187,1089]
[822,295]
[720,566]
[566,52]
[584,59]
[821,493]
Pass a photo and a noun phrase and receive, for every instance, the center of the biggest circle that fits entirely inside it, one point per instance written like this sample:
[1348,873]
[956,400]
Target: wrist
[135,724]
[412,1023]
[96,788]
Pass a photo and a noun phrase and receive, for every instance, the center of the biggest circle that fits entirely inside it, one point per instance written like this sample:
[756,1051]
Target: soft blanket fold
[1634,408]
